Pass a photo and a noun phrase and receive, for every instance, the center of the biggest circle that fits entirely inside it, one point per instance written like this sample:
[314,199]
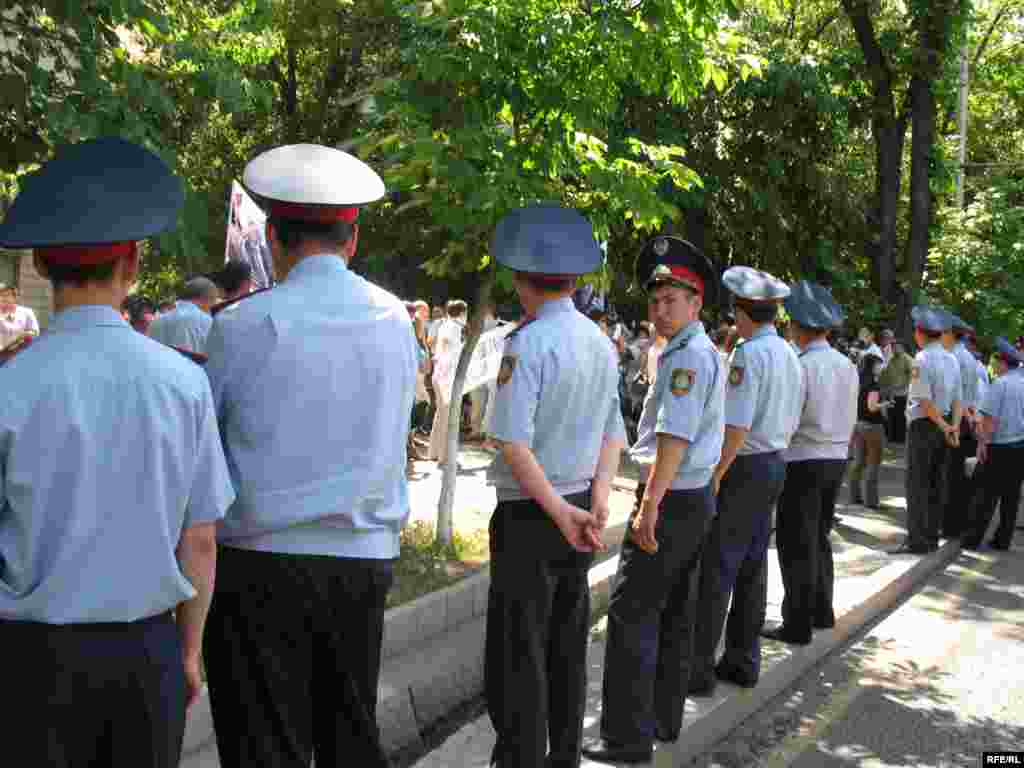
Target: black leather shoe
[999,545]
[664,736]
[734,675]
[970,544]
[606,752]
[784,634]
[702,688]
[906,549]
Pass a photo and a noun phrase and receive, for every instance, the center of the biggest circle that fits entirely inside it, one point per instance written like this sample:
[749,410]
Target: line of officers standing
[130,477]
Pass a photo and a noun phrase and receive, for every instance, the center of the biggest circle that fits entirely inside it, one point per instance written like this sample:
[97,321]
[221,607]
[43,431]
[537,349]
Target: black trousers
[651,624]
[807,508]
[735,561]
[959,488]
[898,420]
[292,652]
[538,618]
[926,482]
[103,695]
[1000,484]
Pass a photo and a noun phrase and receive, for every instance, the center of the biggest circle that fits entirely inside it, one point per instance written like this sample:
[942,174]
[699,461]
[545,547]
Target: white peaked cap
[311,174]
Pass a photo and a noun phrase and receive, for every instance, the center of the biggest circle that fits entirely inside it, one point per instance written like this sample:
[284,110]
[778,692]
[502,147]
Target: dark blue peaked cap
[99,191]
[931,319]
[547,239]
[1008,351]
[812,306]
[660,254]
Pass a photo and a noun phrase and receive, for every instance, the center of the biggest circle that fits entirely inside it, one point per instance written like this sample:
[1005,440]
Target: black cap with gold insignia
[670,260]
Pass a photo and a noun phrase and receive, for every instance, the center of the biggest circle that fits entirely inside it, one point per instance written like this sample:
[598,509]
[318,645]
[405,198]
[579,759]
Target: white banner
[246,237]
[483,365]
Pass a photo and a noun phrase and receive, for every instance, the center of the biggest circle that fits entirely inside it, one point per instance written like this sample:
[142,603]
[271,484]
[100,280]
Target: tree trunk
[473,332]
[922,102]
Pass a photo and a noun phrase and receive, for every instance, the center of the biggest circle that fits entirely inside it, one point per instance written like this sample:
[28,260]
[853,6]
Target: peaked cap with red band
[92,202]
[312,183]
[668,260]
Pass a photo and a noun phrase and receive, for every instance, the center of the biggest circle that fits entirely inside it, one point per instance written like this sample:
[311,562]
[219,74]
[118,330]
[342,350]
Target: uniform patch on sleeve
[915,373]
[682,381]
[736,375]
[508,365]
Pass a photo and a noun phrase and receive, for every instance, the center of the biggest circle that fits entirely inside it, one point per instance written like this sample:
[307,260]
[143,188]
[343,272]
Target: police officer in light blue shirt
[556,416]
[112,478]
[314,381]
[815,464]
[1001,450]
[959,487]
[650,617]
[933,425]
[763,398]
[187,325]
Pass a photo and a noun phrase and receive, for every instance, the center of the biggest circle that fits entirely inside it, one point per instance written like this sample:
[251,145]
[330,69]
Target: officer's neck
[286,260]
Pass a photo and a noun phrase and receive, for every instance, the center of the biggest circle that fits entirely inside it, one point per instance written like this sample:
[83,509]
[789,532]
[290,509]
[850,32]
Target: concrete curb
[702,734]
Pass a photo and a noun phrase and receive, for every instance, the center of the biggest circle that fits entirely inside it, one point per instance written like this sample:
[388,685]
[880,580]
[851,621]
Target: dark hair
[932,335]
[597,315]
[80,274]
[235,273]
[760,312]
[198,288]
[291,232]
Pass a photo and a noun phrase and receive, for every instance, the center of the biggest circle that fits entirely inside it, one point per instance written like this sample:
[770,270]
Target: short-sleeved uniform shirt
[829,411]
[108,450]
[1004,402]
[22,320]
[558,393]
[313,382]
[968,376]
[686,401]
[186,326]
[935,376]
[765,392]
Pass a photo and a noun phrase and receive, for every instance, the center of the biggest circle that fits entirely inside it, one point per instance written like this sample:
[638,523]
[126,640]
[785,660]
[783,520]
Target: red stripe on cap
[548,277]
[320,214]
[689,277]
[85,255]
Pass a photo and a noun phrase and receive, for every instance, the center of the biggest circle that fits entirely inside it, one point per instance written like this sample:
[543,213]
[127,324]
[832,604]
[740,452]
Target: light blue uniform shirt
[1005,403]
[687,401]
[108,450]
[968,376]
[935,376]
[559,394]
[185,326]
[765,392]
[314,381]
[829,411]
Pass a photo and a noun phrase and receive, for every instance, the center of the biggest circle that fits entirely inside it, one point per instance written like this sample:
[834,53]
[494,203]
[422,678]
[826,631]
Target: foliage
[425,564]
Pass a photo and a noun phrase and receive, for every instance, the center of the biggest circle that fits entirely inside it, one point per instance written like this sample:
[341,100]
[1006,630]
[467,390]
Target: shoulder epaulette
[15,347]
[511,334]
[196,357]
[231,302]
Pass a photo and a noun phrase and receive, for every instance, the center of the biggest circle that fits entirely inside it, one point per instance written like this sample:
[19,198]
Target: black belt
[85,626]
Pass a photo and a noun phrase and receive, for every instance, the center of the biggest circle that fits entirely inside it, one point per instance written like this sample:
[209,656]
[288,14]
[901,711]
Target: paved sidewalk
[868,581]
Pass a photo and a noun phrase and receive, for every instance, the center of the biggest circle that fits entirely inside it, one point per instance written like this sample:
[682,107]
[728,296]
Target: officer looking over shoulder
[314,420]
[650,618]
[112,478]
[815,464]
[933,426]
[557,419]
[763,398]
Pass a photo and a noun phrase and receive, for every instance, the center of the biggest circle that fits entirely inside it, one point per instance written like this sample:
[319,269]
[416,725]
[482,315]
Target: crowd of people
[246,512]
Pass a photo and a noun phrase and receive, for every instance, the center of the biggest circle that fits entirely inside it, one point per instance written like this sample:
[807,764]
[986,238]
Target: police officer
[933,425]
[959,487]
[650,618]
[1001,449]
[815,464]
[556,417]
[762,410]
[314,420]
[187,325]
[113,480]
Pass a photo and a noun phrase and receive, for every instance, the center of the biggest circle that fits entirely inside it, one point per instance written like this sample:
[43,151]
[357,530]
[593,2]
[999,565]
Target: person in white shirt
[15,321]
[447,348]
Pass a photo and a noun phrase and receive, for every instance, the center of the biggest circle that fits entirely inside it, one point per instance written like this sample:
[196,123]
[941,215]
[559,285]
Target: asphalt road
[936,683]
